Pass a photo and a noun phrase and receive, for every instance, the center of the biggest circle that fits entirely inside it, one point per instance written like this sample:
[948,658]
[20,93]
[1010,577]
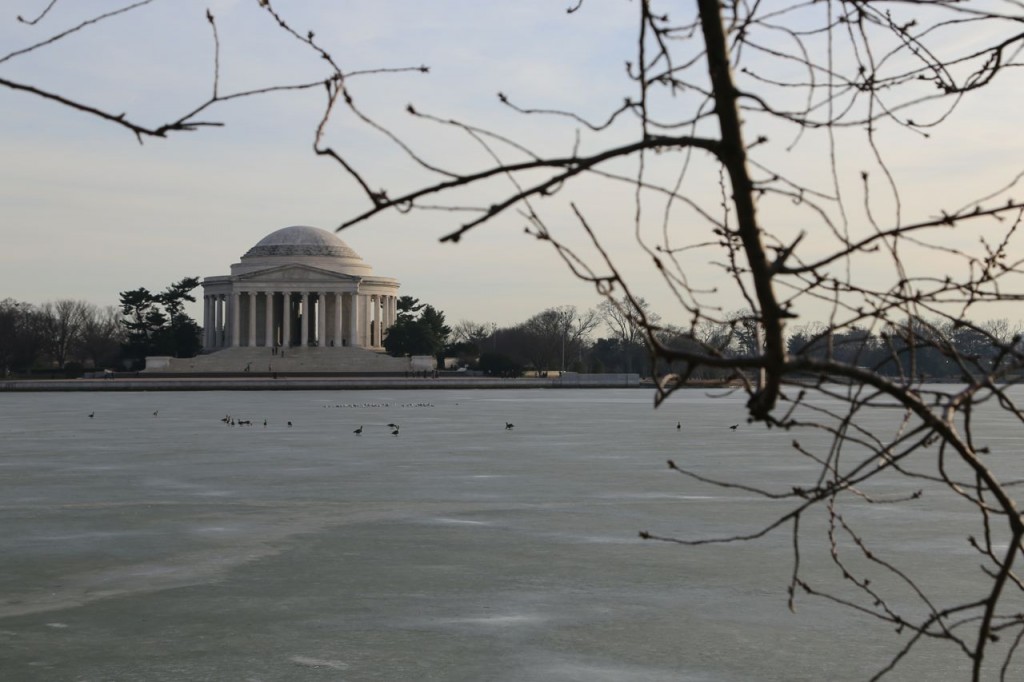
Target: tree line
[69,336]
[611,338]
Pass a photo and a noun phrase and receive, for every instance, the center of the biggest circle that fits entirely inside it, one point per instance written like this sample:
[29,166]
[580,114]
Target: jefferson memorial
[300,300]
[299,286]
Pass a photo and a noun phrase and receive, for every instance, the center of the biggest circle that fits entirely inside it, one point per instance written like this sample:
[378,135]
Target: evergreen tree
[156,324]
[424,333]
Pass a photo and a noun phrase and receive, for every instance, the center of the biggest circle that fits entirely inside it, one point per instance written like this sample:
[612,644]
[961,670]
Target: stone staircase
[297,360]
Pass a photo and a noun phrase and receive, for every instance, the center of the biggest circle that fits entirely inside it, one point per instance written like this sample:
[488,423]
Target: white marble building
[298,287]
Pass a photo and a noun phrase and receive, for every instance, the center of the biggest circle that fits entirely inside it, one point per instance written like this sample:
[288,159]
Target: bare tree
[723,93]
[21,336]
[99,343]
[467,331]
[63,322]
[757,150]
[631,321]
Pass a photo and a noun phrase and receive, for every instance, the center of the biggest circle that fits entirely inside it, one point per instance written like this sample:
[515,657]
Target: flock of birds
[232,421]
[382,405]
[394,429]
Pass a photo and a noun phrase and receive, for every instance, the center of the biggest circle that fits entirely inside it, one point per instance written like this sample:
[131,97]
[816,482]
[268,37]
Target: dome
[301,240]
[302,245]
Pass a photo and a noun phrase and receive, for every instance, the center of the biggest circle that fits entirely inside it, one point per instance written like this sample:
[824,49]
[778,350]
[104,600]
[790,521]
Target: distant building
[300,301]
[298,286]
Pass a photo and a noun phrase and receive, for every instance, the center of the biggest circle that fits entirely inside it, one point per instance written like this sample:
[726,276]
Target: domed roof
[301,240]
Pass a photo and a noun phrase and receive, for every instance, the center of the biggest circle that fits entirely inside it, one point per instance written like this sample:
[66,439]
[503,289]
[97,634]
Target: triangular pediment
[297,273]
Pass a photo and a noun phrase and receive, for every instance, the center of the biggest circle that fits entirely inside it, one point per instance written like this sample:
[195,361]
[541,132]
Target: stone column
[235,310]
[377,336]
[321,318]
[268,309]
[211,333]
[218,322]
[252,319]
[286,319]
[364,321]
[337,319]
[353,320]
[304,329]
[206,322]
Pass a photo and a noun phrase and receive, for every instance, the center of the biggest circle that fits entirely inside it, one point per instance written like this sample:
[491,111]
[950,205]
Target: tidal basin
[154,541]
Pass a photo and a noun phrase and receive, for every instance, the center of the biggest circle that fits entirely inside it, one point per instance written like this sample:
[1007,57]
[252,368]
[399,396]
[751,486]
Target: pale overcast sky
[86,212]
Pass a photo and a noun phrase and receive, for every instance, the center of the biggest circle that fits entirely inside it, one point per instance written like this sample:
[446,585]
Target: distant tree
[419,329]
[607,355]
[579,325]
[466,341]
[21,336]
[543,339]
[500,365]
[62,325]
[142,321]
[467,331]
[681,340]
[99,343]
[434,321]
[155,324]
[465,353]
[510,342]
[628,320]
[408,307]
[556,337]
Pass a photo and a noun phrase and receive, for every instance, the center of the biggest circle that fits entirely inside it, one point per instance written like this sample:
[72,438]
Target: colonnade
[297,318]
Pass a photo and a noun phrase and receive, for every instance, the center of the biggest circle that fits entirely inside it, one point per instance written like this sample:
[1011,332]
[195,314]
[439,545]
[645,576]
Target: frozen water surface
[176,547]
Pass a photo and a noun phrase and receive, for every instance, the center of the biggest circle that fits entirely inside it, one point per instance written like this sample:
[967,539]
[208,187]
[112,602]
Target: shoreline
[293,383]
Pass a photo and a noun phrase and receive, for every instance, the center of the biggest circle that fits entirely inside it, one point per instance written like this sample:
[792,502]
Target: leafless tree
[99,343]
[724,93]
[555,336]
[21,336]
[63,322]
[579,325]
[631,322]
[757,149]
[467,331]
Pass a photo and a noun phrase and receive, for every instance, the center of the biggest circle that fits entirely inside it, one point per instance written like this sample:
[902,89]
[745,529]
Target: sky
[87,212]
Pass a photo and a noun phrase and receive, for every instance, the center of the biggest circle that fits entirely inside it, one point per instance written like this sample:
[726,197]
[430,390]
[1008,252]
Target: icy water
[154,542]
